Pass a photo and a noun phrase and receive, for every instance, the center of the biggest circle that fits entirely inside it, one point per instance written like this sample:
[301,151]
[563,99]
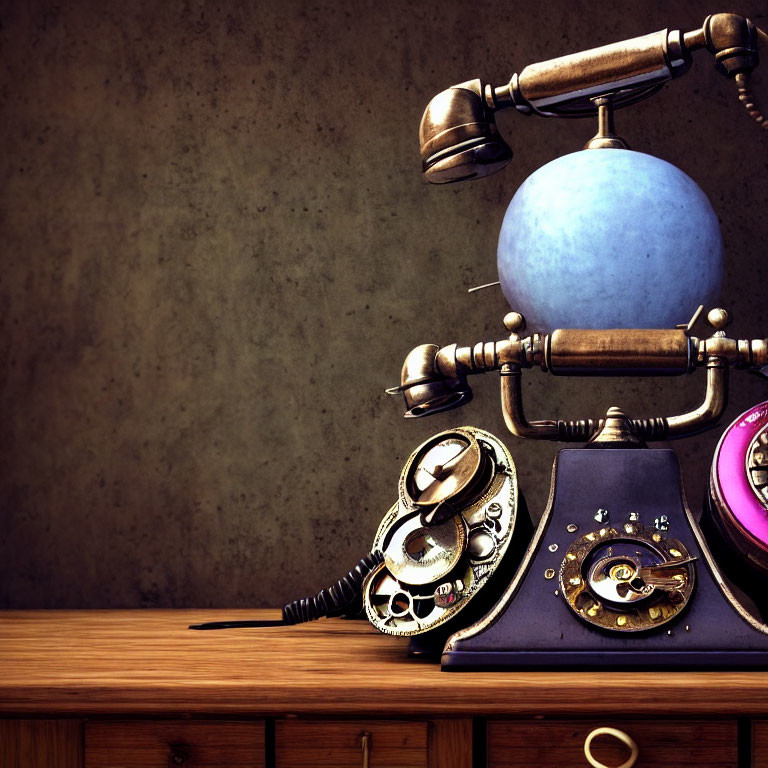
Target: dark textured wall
[217,248]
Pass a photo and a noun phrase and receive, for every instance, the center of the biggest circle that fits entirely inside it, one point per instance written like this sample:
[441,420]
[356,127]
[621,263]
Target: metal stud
[661,523]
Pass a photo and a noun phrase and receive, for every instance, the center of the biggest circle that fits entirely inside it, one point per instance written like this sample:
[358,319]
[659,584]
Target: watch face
[429,466]
[443,469]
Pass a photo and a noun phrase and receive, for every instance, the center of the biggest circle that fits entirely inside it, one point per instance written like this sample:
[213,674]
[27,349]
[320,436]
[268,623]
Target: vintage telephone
[617,573]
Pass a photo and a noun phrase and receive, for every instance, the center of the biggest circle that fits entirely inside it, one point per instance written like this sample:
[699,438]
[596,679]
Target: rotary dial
[627,580]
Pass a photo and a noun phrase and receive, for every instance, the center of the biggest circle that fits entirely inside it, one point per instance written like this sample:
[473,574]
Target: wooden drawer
[662,743]
[164,743]
[760,744]
[391,743]
[41,743]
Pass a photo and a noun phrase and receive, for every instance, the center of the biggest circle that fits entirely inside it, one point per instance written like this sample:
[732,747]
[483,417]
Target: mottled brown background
[217,248]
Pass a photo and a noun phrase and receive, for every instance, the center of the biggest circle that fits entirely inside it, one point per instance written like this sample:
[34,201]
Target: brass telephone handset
[458,134]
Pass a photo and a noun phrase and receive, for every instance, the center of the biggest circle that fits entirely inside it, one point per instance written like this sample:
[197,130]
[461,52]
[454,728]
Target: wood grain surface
[194,744]
[760,744]
[329,744]
[41,743]
[144,662]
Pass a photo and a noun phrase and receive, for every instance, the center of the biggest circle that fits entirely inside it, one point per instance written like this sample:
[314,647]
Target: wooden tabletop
[141,662]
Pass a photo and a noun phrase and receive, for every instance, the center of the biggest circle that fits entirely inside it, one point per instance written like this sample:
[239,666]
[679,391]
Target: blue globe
[609,238]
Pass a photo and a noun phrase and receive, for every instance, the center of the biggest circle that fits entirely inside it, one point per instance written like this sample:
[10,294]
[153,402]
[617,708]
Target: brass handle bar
[434,379]
[612,352]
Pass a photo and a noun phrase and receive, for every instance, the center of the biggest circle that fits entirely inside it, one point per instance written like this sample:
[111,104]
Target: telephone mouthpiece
[459,138]
[425,390]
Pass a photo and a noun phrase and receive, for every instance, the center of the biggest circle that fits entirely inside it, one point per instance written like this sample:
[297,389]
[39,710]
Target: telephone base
[533,626]
[615,660]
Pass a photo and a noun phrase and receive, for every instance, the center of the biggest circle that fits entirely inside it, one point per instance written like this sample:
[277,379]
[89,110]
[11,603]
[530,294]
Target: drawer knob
[624,738]
[177,755]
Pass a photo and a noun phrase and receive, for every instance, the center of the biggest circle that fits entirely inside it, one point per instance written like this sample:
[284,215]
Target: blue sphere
[609,238]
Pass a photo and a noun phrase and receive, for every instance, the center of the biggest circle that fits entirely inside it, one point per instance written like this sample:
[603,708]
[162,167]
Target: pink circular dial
[736,480]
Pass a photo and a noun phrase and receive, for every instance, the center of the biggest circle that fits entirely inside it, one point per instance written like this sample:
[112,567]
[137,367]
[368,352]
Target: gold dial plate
[627,578]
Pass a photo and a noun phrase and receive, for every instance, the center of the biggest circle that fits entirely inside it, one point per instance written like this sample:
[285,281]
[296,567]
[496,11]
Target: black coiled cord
[344,598]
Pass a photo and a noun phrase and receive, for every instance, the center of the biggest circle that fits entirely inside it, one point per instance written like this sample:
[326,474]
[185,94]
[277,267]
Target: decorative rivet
[687,628]
[549,573]
[445,595]
[718,318]
[553,547]
[571,527]
[514,321]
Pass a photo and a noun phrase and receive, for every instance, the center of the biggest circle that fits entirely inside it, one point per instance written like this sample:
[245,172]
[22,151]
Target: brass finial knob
[718,318]
[514,322]
[617,430]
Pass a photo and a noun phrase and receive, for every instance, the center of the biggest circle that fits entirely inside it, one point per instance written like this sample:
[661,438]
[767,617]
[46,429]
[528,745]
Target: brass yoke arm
[435,379]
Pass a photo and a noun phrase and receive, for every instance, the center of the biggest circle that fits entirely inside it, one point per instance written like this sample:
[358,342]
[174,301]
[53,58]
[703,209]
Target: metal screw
[494,510]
